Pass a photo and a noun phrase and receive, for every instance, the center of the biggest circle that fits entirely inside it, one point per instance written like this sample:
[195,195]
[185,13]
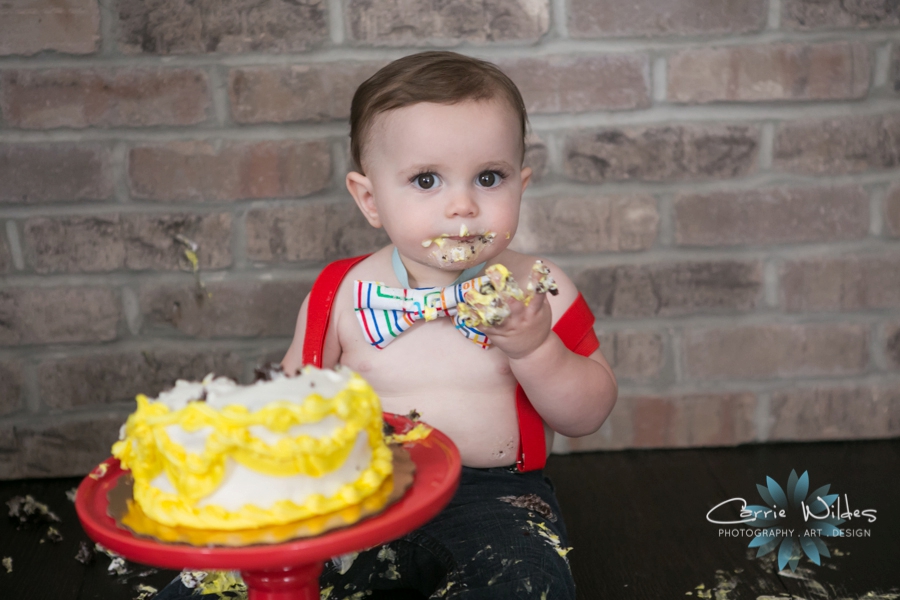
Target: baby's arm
[293,360]
[573,394]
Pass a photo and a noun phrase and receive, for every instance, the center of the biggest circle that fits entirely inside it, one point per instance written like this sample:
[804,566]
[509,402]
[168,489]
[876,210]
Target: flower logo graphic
[784,513]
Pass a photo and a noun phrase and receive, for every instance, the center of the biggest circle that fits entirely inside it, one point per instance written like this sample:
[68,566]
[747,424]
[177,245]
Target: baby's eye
[490,179]
[425,181]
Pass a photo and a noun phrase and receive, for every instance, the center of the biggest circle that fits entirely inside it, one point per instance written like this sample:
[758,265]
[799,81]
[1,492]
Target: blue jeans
[501,536]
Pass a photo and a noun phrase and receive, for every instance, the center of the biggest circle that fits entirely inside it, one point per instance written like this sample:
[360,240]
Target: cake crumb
[531,502]
[53,535]
[29,511]
[191,579]
[85,554]
[7,563]
[145,592]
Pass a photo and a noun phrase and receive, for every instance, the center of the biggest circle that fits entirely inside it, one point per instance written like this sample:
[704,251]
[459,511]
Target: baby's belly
[463,390]
[483,427]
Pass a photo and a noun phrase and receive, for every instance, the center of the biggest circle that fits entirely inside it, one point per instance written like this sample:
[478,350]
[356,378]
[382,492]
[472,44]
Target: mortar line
[336,22]
[876,211]
[773,18]
[218,90]
[32,388]
[559,18]
[108,29]
[15,245]
[510,49]
[660,78]
[667,114]
[882,66]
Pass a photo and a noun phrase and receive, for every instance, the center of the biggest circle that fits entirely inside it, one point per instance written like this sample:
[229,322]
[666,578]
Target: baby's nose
[462,204]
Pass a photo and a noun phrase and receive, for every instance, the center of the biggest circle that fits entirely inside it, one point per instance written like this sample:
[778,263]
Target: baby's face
[447,180]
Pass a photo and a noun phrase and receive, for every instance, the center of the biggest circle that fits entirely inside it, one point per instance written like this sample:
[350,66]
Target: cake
[218,455]
[486,305]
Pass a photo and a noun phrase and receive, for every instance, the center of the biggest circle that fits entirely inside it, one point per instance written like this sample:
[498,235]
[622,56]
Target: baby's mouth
[464,247]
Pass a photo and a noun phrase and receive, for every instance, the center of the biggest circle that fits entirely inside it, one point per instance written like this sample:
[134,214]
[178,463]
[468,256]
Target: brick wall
[720,177]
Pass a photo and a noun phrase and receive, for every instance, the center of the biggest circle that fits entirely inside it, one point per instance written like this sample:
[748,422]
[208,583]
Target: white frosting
[221,391]
[241,485]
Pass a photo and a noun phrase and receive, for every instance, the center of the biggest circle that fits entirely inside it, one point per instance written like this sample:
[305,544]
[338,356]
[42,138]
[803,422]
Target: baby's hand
[524,329]
[517,322]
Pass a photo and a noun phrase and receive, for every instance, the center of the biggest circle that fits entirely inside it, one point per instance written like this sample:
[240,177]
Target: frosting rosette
[218,455]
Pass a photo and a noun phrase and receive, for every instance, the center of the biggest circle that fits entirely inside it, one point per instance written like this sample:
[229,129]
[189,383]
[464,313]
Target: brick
[688,421]
[832,14]
[764,351]
[131,97]
[310,231]
[68,26]
[107,378]
[609,18]
[60,447]
[892,345]
[11,387]
[835,413]
[47,315]
[892,211]
[771,216]
[835,146]
[36,173]
[231,309]
[834,71]
[201,171]
[583,224]
[580,83]
[272,354]
[661,153]
[634,355]
[433,22]
[671,289]
[845,283]
[320,92]
[126,241]
[226,26]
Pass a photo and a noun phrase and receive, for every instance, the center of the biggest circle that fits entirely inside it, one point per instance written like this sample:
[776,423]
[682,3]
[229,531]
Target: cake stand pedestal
[287,571]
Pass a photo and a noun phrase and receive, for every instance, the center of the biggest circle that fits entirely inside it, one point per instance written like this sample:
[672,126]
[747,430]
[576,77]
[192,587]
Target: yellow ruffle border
[147,451]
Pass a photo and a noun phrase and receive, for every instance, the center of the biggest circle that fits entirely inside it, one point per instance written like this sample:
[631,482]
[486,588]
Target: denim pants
[501,536]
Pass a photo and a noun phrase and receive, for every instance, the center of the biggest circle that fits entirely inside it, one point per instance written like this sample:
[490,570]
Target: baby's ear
[360,187]
[526,177]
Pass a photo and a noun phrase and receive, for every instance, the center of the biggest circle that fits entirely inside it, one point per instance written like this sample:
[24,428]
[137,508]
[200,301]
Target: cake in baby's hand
[487,305]
[219,455]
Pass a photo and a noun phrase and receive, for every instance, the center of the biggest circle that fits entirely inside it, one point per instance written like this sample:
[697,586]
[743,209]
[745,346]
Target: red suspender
[574,328]
[318,312]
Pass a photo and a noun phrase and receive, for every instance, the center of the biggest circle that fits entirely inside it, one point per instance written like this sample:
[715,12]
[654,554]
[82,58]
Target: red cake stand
[288,571]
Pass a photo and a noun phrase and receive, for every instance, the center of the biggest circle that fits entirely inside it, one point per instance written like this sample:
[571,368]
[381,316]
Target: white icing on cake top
[222,392]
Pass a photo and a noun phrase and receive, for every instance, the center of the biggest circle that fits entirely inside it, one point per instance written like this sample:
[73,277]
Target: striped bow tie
[386,312]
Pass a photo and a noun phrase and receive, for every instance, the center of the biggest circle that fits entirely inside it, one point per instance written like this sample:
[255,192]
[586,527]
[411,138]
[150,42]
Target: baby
[438,143]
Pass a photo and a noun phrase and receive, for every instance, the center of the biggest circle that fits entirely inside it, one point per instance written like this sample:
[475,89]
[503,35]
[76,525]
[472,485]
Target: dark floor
[637,520]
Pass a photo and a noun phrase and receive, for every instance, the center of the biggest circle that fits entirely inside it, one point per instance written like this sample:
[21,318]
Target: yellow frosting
[147,451]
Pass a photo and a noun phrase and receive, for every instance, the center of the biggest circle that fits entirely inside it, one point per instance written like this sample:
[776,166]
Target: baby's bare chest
[432,357]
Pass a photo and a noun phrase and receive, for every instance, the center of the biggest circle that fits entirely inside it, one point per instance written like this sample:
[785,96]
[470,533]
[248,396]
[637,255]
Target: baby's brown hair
[441,77]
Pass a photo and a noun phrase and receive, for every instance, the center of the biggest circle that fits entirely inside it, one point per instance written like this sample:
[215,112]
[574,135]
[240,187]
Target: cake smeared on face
[456,248]
[488,305]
